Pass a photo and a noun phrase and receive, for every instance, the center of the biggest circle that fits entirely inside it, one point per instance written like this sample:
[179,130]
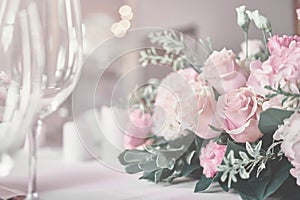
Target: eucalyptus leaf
[131,156]
[190,169]
[157,175]
[203,184]
[149,176]
[148,166]
[271,118]
[281,171]
[198,144]
[190,157]
[176,174]
[165,162]
[133,168]
[185,141]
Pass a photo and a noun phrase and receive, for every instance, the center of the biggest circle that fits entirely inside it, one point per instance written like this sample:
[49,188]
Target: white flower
[243,19]
[260,21]
[184,102]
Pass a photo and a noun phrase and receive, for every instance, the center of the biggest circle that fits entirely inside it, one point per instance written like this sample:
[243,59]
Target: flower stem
[247,45]
[265,43]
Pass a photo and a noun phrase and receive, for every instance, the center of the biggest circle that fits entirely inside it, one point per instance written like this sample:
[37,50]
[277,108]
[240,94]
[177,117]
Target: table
[58,180]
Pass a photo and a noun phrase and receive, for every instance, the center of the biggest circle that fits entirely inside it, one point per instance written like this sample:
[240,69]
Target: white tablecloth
[91,180]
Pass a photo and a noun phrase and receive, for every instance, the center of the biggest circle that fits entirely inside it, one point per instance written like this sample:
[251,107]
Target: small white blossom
[260,21]
[243,19]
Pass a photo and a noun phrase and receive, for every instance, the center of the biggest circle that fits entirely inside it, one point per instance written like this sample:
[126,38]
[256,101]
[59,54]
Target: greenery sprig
[172,51]
[165,160]
[288,96]
[245,163]
[143,98]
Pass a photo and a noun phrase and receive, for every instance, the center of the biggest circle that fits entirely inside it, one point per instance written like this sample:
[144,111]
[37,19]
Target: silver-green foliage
[172,51]
[245,163]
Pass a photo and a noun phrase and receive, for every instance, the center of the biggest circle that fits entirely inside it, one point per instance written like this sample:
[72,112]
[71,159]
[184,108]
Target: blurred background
[197,18]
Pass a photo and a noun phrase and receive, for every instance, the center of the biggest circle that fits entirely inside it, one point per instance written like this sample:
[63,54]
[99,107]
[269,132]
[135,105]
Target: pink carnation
[138,129]
[211,156]
[184,102]
[277,44]
[282,69]
[289,132]
[261,74]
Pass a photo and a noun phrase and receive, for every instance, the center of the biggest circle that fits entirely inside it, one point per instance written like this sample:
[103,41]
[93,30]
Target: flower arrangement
[233,120]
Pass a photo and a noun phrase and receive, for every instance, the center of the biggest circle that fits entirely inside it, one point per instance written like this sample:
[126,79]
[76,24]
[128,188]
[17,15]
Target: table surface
[91,180]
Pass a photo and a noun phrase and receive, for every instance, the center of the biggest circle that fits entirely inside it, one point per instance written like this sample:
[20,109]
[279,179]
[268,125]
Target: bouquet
[233,120]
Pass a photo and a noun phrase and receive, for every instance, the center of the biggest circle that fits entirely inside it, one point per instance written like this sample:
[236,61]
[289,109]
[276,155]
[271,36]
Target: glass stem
[32,189]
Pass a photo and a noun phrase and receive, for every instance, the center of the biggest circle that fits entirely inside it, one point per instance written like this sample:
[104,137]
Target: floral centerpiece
[233,119]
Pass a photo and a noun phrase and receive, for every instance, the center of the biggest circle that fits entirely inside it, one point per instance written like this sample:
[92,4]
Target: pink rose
[138,129]
[281,69]
[238,113]
[184,101]
[211,156]
[222,71]
[254,47]
[289,132]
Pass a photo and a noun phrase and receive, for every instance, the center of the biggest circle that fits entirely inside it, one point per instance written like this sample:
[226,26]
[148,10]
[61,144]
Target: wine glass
[22,61]
[62,33]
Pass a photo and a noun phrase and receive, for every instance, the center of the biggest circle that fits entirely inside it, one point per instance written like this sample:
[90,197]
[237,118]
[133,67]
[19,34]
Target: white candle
[73,149]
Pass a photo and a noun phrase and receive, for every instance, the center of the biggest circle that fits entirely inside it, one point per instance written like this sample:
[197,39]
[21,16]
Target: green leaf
[223,138]
[190,157]
[157,175]
[288,190]
[214,128]
[167,159]
[133,168]
[185,141]
[235,147]
[198,143]
[190,169]
[246,197]
[271,118]
[223,185]
[268,182]
[148,176]
[121,158]
[203,183]
[281,171]
[269,96]
[148,166]
[176,173]
[131,156]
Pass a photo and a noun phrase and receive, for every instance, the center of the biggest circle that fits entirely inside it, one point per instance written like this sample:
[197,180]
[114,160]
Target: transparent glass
[46,37]
[62,33]
[62,29]
[22,61]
